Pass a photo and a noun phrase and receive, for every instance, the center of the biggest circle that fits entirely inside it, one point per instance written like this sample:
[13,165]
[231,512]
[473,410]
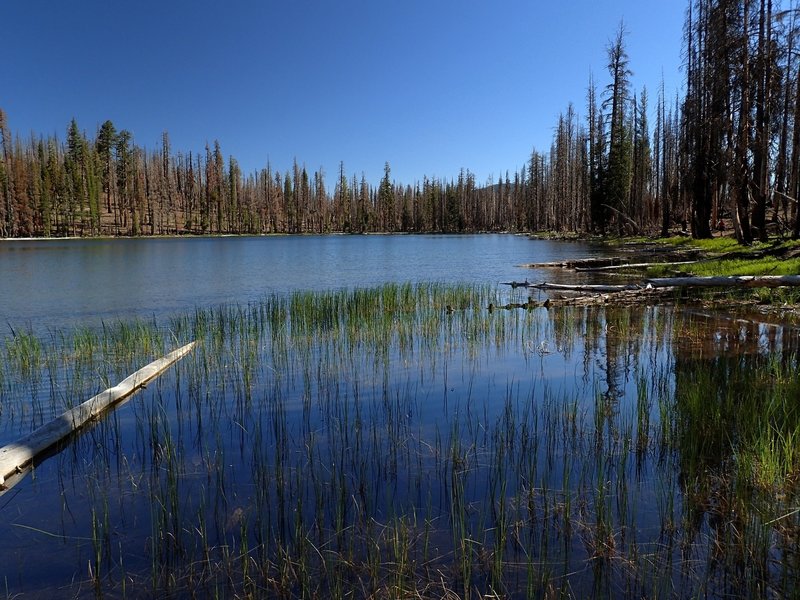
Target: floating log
[529,305]
[650,290]
[625,298]
[15,457]
[658,252]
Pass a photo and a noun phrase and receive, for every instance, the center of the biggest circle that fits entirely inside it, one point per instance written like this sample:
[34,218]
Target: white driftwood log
[733,281]
[636,266]
[584,287]
[17,455]
[736,281]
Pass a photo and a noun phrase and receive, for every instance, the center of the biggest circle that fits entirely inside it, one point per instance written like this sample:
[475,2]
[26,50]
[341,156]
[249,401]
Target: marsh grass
[405,441]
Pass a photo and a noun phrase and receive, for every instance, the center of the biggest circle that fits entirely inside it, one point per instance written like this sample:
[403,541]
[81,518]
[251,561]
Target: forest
[724,154]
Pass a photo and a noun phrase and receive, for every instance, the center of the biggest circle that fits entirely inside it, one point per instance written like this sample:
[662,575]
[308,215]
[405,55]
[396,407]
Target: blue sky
[429,85]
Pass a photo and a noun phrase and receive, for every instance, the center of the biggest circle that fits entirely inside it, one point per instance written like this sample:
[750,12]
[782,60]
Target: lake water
[56,283]
[357,422]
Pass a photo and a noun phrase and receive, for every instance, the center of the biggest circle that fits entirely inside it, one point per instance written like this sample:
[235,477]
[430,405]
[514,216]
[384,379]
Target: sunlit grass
[715,244]
[725,257]
[764,266]
[760,266]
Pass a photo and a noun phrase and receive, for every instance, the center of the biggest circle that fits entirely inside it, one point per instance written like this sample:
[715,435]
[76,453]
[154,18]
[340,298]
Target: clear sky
[429,85]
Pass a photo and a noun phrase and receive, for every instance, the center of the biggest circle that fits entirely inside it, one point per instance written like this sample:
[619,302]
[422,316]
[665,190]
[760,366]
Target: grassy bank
[723,256]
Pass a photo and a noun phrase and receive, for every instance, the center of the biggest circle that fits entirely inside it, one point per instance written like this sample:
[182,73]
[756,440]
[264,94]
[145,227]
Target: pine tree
[125,203]
[363,218]
[6,181]
[234,210]
[45,189]
[386,201]
[106,140]
[342,201]
[290,203]
[616,178]
[73,164]
[764,73]
[22,225]
[643,210]
[217,183]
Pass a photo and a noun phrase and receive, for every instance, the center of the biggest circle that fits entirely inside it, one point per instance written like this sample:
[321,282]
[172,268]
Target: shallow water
[405,440]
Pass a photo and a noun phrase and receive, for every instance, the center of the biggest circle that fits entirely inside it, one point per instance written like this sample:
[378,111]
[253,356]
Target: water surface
[60,282]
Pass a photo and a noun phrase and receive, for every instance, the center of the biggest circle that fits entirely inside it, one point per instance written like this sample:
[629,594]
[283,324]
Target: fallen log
[745,281]
[15,457]
[635,297]
[585,287]
[650,290]
[635,266]
[654,289]
[576,263]
[634,226]
[735,281]
[625,298]
[529,305]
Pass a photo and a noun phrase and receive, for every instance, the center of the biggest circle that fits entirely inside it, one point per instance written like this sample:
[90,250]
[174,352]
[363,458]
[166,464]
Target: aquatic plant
[406,441]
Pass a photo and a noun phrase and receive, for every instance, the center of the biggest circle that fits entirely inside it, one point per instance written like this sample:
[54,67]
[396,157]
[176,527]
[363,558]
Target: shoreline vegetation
[717,271]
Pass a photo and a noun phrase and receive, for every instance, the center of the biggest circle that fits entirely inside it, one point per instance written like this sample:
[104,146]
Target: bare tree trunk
[761,145]
[742,218]
[795,171]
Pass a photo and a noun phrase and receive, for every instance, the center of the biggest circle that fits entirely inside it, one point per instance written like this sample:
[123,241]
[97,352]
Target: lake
[82,282]
[361,419]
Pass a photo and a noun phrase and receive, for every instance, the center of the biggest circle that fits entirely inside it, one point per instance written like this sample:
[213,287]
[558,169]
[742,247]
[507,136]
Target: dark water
[54,283]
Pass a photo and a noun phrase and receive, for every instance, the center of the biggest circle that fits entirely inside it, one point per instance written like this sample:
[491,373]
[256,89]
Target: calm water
[62,282]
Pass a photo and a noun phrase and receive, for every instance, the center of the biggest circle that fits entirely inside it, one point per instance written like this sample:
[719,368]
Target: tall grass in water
[405,441]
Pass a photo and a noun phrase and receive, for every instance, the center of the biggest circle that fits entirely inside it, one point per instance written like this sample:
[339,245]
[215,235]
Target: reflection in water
[737,430]
[405,441]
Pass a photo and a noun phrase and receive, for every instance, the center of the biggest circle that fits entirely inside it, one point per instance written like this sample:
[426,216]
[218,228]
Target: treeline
[106,185]
[725,155]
